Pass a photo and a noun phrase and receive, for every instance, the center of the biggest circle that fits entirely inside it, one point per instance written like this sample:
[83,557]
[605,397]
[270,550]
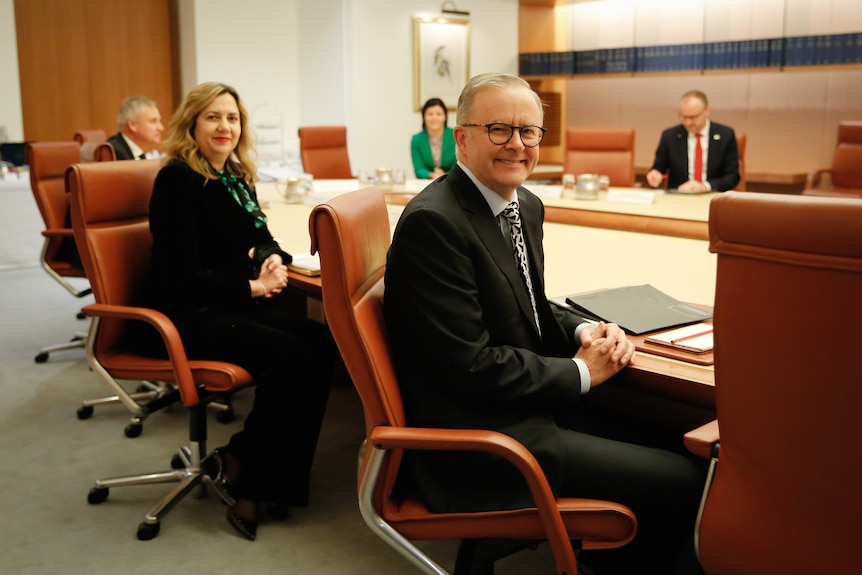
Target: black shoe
[246,528]
[213,466]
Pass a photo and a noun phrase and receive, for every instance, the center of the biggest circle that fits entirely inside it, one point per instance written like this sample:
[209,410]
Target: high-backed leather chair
[741,139]
[323,150]
[104,152]
[110,215]
[602,150]
[783,494]
[846,169]
[59,257]
[352,235]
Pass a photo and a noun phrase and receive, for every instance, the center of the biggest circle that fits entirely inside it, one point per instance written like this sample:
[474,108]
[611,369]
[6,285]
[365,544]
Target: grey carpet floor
[49,459]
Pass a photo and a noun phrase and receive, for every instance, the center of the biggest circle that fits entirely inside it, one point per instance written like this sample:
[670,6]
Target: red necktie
[698,160]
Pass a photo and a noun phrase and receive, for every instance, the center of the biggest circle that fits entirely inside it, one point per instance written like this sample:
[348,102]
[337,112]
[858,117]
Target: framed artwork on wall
[441,58]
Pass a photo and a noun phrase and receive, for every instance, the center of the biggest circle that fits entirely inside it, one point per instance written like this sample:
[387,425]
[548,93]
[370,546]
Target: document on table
[696,338]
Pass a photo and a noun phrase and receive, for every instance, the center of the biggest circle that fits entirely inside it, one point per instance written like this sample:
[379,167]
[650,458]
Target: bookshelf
[769,54]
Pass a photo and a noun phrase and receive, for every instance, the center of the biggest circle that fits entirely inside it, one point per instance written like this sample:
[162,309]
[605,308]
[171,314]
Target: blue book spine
[524,68]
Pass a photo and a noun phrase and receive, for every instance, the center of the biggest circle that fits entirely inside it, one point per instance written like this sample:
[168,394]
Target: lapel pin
[716,136]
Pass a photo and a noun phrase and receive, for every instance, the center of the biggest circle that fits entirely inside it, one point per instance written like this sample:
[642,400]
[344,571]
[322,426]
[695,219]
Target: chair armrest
[170,336]
[702,440]
[813,178]
[58,233]
[384,437]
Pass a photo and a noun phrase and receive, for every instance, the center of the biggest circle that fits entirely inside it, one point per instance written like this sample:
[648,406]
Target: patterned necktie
[512,214]
[698,159]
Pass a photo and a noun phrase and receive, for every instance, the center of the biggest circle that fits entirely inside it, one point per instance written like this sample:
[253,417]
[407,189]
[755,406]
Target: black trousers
[291,359]
[643,466]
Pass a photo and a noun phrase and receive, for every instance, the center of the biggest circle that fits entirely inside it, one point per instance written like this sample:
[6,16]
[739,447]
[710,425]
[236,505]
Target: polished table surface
[628,209]
[577,259]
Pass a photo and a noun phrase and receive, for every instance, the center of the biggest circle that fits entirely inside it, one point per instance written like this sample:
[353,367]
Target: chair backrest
[104,152]
[110,216]
[323,150]
[740,146]
[785,496]
[601,150]
[95,136]
[48,162]
[352,235]
[847,161]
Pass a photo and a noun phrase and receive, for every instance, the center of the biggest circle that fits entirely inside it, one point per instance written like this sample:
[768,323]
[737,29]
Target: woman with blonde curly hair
[216,270]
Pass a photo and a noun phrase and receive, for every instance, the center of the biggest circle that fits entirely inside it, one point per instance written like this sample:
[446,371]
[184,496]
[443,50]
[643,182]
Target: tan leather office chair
[741,139]
[846,170]
[352,235]
[104,152]
[110,214]
[783,496]
[601,150]
[150,395]
[323,150]
[59,257]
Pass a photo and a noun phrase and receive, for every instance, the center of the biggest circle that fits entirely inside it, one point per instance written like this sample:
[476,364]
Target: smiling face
[501,168]
[435,119]
[217,129]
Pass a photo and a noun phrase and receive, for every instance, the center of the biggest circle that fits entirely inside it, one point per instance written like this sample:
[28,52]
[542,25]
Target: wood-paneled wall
[78,60]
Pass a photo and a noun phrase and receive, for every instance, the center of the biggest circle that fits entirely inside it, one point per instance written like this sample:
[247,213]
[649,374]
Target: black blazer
[121,148]
[465,347]
[201,243]
[722,169]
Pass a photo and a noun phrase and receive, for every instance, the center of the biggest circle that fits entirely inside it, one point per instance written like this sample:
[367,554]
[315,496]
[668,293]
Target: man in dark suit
[698,155]
[475,345]
[141,128]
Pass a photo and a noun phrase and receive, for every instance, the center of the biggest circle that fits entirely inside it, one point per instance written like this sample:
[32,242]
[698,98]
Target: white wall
[334,62]
[10,93]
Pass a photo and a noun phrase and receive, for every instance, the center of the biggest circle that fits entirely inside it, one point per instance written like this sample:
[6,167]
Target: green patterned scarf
[238,190]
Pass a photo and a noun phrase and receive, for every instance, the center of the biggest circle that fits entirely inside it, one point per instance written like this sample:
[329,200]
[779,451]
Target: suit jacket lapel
[488,231]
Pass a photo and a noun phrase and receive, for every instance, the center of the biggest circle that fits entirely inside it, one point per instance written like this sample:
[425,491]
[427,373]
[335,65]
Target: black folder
[637,309]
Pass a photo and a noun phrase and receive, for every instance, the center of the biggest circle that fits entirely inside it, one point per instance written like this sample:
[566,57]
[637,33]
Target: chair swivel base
[187,478]
[78,341]
[152,397]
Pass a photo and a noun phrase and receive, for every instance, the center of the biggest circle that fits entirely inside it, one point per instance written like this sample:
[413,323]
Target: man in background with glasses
[697,155]
[476,344]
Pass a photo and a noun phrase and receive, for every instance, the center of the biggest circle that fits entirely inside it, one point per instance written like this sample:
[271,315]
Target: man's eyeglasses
[500,133]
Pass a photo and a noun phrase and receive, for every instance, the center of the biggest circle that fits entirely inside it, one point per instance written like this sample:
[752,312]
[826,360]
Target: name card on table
[632,196]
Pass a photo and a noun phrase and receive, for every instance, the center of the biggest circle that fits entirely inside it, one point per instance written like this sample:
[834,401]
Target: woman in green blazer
[433,149]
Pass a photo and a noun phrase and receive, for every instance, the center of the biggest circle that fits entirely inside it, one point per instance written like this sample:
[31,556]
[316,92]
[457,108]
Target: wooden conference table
[578,258]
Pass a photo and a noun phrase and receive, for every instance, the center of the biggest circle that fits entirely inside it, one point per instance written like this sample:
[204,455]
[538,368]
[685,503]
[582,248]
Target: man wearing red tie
[698,155]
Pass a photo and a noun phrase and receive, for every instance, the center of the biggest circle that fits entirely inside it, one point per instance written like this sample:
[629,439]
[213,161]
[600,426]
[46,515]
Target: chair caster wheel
[177,462]
[97,495]
[225,416]
[81,315]
[41,358]
[133,430]
[85,412]
[147,531]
